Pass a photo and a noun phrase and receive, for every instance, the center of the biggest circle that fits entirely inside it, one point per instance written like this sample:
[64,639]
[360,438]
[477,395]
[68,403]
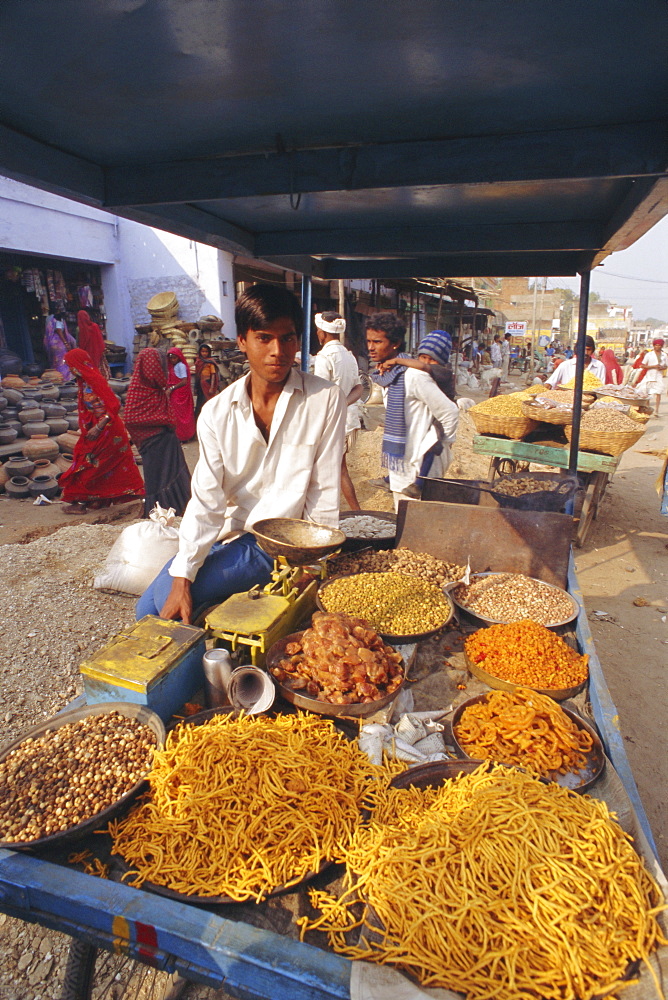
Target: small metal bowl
[299,542]
[354,544]
[498,621]
[398,640]
[74,833]
[359,710]
[577,781]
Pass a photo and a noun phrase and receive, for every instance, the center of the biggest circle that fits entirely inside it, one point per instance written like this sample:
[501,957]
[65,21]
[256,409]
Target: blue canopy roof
[350,139]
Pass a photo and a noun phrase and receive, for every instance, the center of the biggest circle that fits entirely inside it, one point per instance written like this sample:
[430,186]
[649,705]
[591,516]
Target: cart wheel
[94,974]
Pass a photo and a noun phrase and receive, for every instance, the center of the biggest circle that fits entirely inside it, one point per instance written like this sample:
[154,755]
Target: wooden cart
[594,471]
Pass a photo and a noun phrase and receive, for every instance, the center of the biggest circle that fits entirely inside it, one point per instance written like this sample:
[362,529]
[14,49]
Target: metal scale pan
[300,543]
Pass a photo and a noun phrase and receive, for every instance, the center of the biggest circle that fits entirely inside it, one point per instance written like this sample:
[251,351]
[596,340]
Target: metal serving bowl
[498,621]
[389,638]
[358,710]
[299,542]
[74,833]
[577,781]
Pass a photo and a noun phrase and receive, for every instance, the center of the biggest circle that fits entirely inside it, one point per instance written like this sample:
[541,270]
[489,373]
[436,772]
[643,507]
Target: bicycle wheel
[95,974]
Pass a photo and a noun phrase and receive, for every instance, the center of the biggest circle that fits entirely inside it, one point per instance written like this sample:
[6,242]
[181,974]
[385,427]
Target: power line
[629,277]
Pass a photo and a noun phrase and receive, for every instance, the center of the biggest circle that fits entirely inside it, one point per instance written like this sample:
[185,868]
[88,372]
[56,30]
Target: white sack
[139,553]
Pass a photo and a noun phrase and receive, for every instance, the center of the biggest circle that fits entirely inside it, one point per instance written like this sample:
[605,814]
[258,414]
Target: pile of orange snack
[529,654]
[525,728]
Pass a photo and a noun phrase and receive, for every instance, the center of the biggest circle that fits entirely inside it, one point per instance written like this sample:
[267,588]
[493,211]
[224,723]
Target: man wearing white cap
[338,365]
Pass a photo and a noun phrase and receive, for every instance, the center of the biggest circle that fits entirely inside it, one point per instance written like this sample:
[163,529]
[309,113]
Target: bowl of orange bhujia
[244,807]
[526,729]
[485,880]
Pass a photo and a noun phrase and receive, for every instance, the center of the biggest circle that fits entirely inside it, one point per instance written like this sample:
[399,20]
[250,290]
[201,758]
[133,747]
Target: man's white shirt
[566,371]
[240,478]
[338,365]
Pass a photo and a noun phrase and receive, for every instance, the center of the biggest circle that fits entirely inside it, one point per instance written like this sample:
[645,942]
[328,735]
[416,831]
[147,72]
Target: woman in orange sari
[207,377]
[103,470]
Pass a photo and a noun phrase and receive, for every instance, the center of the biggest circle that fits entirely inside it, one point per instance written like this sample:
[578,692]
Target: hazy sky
[637,277]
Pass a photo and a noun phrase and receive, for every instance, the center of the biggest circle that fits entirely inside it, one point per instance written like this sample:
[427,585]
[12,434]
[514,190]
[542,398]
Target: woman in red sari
[103,470]
[613,370]
[92,342]
[181,396]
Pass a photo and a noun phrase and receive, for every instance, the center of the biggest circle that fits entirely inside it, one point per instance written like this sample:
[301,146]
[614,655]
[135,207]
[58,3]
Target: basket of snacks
[503,416]
[607,431]
[548,414]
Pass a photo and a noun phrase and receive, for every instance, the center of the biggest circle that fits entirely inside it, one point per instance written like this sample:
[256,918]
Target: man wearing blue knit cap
[420,420]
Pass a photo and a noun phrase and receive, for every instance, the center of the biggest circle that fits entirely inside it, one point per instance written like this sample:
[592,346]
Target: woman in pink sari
[613,370]
[57,342]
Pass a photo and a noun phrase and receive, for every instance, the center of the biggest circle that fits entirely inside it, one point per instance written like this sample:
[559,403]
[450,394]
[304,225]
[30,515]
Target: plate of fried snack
[526,729]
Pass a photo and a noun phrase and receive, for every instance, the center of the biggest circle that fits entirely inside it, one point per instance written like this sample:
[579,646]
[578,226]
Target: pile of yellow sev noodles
[239,807]
[498,886]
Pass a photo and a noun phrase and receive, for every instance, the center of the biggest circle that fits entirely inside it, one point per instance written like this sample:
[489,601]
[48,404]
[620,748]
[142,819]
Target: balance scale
[260,617]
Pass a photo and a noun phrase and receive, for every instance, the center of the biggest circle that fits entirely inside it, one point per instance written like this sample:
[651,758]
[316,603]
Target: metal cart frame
[594,471]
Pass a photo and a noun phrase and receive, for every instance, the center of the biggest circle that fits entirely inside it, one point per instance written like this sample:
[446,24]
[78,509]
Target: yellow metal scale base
[259,618]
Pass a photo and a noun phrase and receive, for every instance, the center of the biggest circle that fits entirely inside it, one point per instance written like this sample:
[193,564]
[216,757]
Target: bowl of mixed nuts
[73,773]
[500,598]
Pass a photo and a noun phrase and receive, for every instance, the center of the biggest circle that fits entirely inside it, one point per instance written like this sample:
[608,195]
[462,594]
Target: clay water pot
[69,391]
[63,462]
[31,414]
[52,410]
[28,404]
[19,467]
[52,375]
[49,391]
[12,382]
[43,486]
[4,476]
[4,402]
[18,487]
[10,413]
[12,422]
[73,421]
[8,435]
[67,442]
[33,428]
[13,396]
[69,405]
[58,425]
[31,392]
[41,446]
[44,467]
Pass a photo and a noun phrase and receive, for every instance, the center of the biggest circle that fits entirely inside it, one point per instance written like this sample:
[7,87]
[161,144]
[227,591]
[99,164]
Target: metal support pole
[533,327]
[579,370]
[306,332]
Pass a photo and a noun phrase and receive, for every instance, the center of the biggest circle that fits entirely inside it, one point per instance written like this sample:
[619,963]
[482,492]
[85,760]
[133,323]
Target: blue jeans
[228,569]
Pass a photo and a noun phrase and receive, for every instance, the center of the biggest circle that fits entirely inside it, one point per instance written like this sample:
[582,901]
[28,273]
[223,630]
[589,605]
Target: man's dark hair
[389,324]
[508,336]
[589,342]
[262,304]
[331,315]
[497,337]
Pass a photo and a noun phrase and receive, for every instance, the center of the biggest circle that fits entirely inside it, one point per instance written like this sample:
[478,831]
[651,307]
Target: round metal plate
[498,621]
[577,781]
[353,544]
[64,837]
[161,890]
[357,711]
[557,694]
[398,640]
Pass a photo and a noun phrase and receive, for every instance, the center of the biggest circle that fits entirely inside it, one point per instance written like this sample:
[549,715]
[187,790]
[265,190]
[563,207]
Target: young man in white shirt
[338,365]
[505,355]
[566,370]
[271,445]
[417,414]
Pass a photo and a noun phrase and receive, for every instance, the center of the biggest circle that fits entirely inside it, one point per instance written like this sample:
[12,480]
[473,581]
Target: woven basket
[641,418]
[606,442]
[502,425]
[547,415]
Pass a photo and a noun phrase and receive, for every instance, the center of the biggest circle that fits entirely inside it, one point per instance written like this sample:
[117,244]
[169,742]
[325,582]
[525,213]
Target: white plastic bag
[139,553]
[473,382]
